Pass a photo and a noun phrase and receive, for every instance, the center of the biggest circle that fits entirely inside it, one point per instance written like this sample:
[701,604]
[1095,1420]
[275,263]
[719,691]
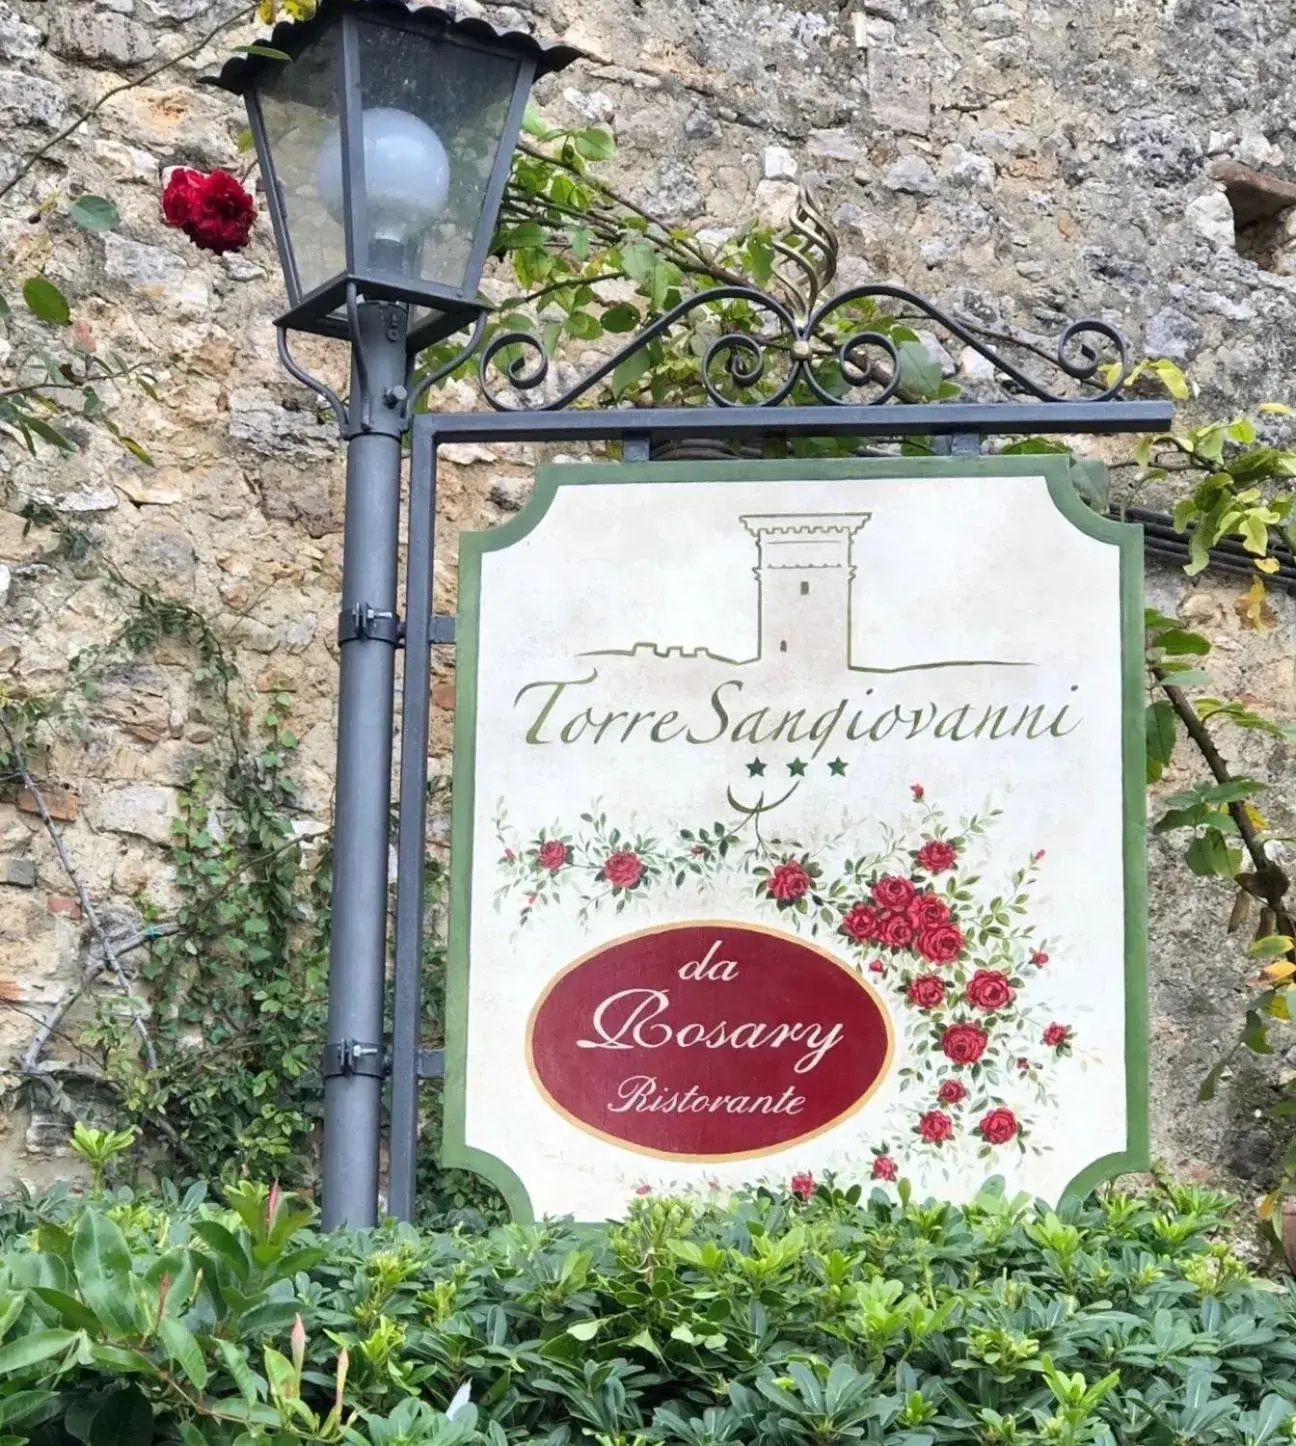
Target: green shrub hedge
[834,1319]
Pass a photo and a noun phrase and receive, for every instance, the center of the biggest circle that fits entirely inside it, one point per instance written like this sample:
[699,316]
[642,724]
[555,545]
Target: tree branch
[73,126]
[111,960]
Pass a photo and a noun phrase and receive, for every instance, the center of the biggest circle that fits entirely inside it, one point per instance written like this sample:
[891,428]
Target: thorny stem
[73,126]
[111,959]
[1271,881]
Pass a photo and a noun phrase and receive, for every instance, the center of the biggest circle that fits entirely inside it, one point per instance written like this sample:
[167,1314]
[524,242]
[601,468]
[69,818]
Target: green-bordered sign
[798,829]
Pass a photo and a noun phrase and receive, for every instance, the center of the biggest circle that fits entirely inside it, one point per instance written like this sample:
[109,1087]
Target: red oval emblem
[708,1041]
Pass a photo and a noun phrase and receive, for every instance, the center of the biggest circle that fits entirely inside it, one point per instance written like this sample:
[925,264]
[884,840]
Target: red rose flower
[877,967]
[623,869]
[509,856]
[928,912]
[936,856]
[951,1092]
[1038,855]
[988,989]
[935,1126]
[917,790]
[1023,1065]
[803,1184]
[897,930]
[942,945]
[861,923]
[999,1126]
[789,881]
[893,892]
[643,1189]
[1039,957]
[884,1168]
[215,211]
[553,855]
[964,1043]
[1056,1035]
[927,991]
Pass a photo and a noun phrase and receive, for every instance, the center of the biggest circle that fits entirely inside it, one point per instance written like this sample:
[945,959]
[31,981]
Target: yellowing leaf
[1269,1204]
[1278,972]
[1258,820]
[1267,564]
[1253,607]
[1277,409]
[266,11]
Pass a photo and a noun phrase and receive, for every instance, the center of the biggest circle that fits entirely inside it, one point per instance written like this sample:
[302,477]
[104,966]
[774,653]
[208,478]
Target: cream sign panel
[797,829]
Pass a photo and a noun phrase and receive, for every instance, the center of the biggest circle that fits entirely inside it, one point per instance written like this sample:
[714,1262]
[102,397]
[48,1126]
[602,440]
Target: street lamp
[385,135]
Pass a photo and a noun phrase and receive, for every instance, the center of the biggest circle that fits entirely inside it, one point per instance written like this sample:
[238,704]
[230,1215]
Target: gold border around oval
[724,1159]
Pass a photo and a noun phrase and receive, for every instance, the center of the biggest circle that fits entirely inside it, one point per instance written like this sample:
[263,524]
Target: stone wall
[1023,162]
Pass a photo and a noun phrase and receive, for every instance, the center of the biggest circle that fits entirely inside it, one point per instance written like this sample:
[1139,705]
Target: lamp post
[385,136]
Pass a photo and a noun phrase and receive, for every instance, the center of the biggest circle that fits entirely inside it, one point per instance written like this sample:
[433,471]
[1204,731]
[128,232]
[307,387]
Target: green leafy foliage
[94,213]
[766,1320]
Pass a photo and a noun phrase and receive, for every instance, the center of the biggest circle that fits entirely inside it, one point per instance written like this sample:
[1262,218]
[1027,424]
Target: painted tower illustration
[804,572]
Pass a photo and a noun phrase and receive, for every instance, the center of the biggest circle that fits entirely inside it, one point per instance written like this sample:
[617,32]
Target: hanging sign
[798,832]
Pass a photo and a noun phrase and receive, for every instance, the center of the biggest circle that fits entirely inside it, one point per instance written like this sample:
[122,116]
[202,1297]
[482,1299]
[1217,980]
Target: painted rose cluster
[978,1058]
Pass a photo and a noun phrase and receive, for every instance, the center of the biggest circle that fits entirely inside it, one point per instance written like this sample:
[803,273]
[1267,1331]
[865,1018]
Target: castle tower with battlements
[804,571]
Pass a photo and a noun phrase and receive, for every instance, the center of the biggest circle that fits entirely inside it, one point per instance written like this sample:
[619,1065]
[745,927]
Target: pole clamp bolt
[351,1057]
[362,622]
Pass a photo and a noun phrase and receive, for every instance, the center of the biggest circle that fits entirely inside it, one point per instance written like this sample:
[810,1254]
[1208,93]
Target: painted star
[838,767]
[755,769]
[796,768]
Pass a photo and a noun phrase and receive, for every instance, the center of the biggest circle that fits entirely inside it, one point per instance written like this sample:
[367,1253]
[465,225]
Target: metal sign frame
[964,425]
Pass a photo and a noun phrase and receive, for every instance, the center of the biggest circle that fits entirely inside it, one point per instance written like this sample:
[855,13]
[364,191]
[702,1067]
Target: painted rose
[1039,957]
[917,790]
[214,211]
[988,989]
[884,1168]
[927,991]
[964,1043]
[998,1126]
[893,892]
[935,1126]
[1056,1035]
[553,855]
[802,1184]
[951,1092]
[942,944]
[861,922]
[928,912]
[936,856]
[643,1189]
[623,869]
[898,930]
[788,882]
[877,967]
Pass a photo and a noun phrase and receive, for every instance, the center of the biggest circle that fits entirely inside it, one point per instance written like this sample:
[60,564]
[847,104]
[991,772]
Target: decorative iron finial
[807,253]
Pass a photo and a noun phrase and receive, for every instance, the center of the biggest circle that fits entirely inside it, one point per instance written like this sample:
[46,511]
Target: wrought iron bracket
[352,1057]
[441,630]
[362,623]
[431,1064]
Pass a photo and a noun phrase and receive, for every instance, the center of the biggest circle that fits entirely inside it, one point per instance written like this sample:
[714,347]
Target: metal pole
[367,632]
[407,1018]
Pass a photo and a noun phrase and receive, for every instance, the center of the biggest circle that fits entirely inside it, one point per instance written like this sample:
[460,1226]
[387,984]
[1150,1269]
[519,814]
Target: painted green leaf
[94,213]
[45,301]
[1160,724]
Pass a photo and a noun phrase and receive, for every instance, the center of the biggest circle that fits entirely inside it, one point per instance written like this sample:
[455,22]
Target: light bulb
[406,175]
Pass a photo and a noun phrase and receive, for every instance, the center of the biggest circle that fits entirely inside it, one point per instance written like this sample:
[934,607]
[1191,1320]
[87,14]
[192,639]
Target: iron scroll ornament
[863,357]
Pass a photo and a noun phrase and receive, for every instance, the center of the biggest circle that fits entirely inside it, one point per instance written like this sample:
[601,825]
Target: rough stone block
[899,87]
[47,1134]
[21,873]
[158,273]
[26,100]
[18,40]
[911,175]
[257,419]
[1211,217]
[510,493]
[99,38]
[63,906]
[60,803]
[138,808]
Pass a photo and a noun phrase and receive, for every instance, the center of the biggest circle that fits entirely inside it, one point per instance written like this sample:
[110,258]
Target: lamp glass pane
[434,115]
[300,105]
